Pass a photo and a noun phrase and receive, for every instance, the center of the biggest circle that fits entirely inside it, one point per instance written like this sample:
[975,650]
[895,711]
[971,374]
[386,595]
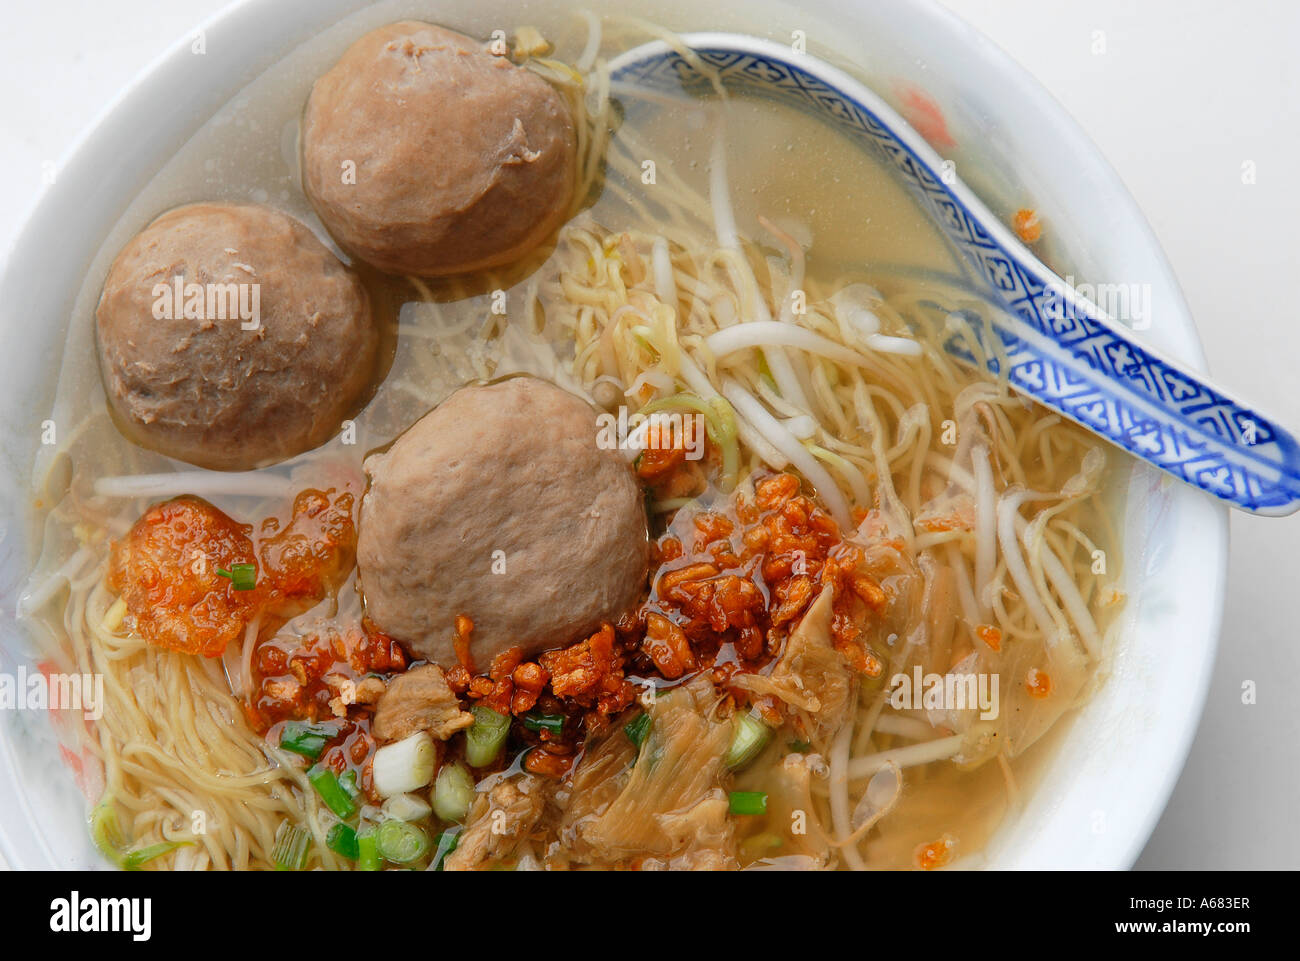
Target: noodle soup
[872,530]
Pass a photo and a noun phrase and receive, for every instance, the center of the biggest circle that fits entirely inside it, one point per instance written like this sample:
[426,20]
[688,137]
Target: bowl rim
[153,90]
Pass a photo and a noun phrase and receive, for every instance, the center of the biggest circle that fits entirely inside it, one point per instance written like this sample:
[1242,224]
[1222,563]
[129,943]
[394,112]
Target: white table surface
[1185,93]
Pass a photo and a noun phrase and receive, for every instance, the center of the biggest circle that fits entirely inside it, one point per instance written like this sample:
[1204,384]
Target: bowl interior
[1113,768]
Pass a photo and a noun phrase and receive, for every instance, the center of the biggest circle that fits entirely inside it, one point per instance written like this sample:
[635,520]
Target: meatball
[499,505]
[425,154]
[231,337]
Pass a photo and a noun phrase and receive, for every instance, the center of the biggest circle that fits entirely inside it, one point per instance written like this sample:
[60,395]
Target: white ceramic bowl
[1111,774]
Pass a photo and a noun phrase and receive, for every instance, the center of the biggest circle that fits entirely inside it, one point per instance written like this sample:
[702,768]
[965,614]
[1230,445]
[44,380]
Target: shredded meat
[419,700]
[498,822]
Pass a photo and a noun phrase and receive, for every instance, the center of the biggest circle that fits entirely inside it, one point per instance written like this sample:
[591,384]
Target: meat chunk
[231,338]
[419,700]
[501,507]
[370,690]
[498,822]
[425,154]
[810,675]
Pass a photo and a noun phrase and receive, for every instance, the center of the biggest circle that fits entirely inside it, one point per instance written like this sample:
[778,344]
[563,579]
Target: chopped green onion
[348,781]
[638,730]
[326,783]
[404,766]
[486,736]
[367,849]
[406,807]
[443,846]
[748,738]
[306,739]
[341,839]
[141,856]
[401,842]
[761,845]
[719,424]
[292,843]
[554,723]
[800,747]
[453,792]
[748,802]
[106,830]
[243,577]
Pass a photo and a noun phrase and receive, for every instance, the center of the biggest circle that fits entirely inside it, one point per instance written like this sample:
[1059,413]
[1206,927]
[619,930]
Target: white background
[1186,92]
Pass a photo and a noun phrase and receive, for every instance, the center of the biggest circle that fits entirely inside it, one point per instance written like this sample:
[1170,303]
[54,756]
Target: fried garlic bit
[529,42]
[1028,226]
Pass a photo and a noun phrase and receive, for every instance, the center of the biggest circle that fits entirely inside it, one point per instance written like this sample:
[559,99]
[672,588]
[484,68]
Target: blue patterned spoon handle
[1058,347]
[1087,370]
